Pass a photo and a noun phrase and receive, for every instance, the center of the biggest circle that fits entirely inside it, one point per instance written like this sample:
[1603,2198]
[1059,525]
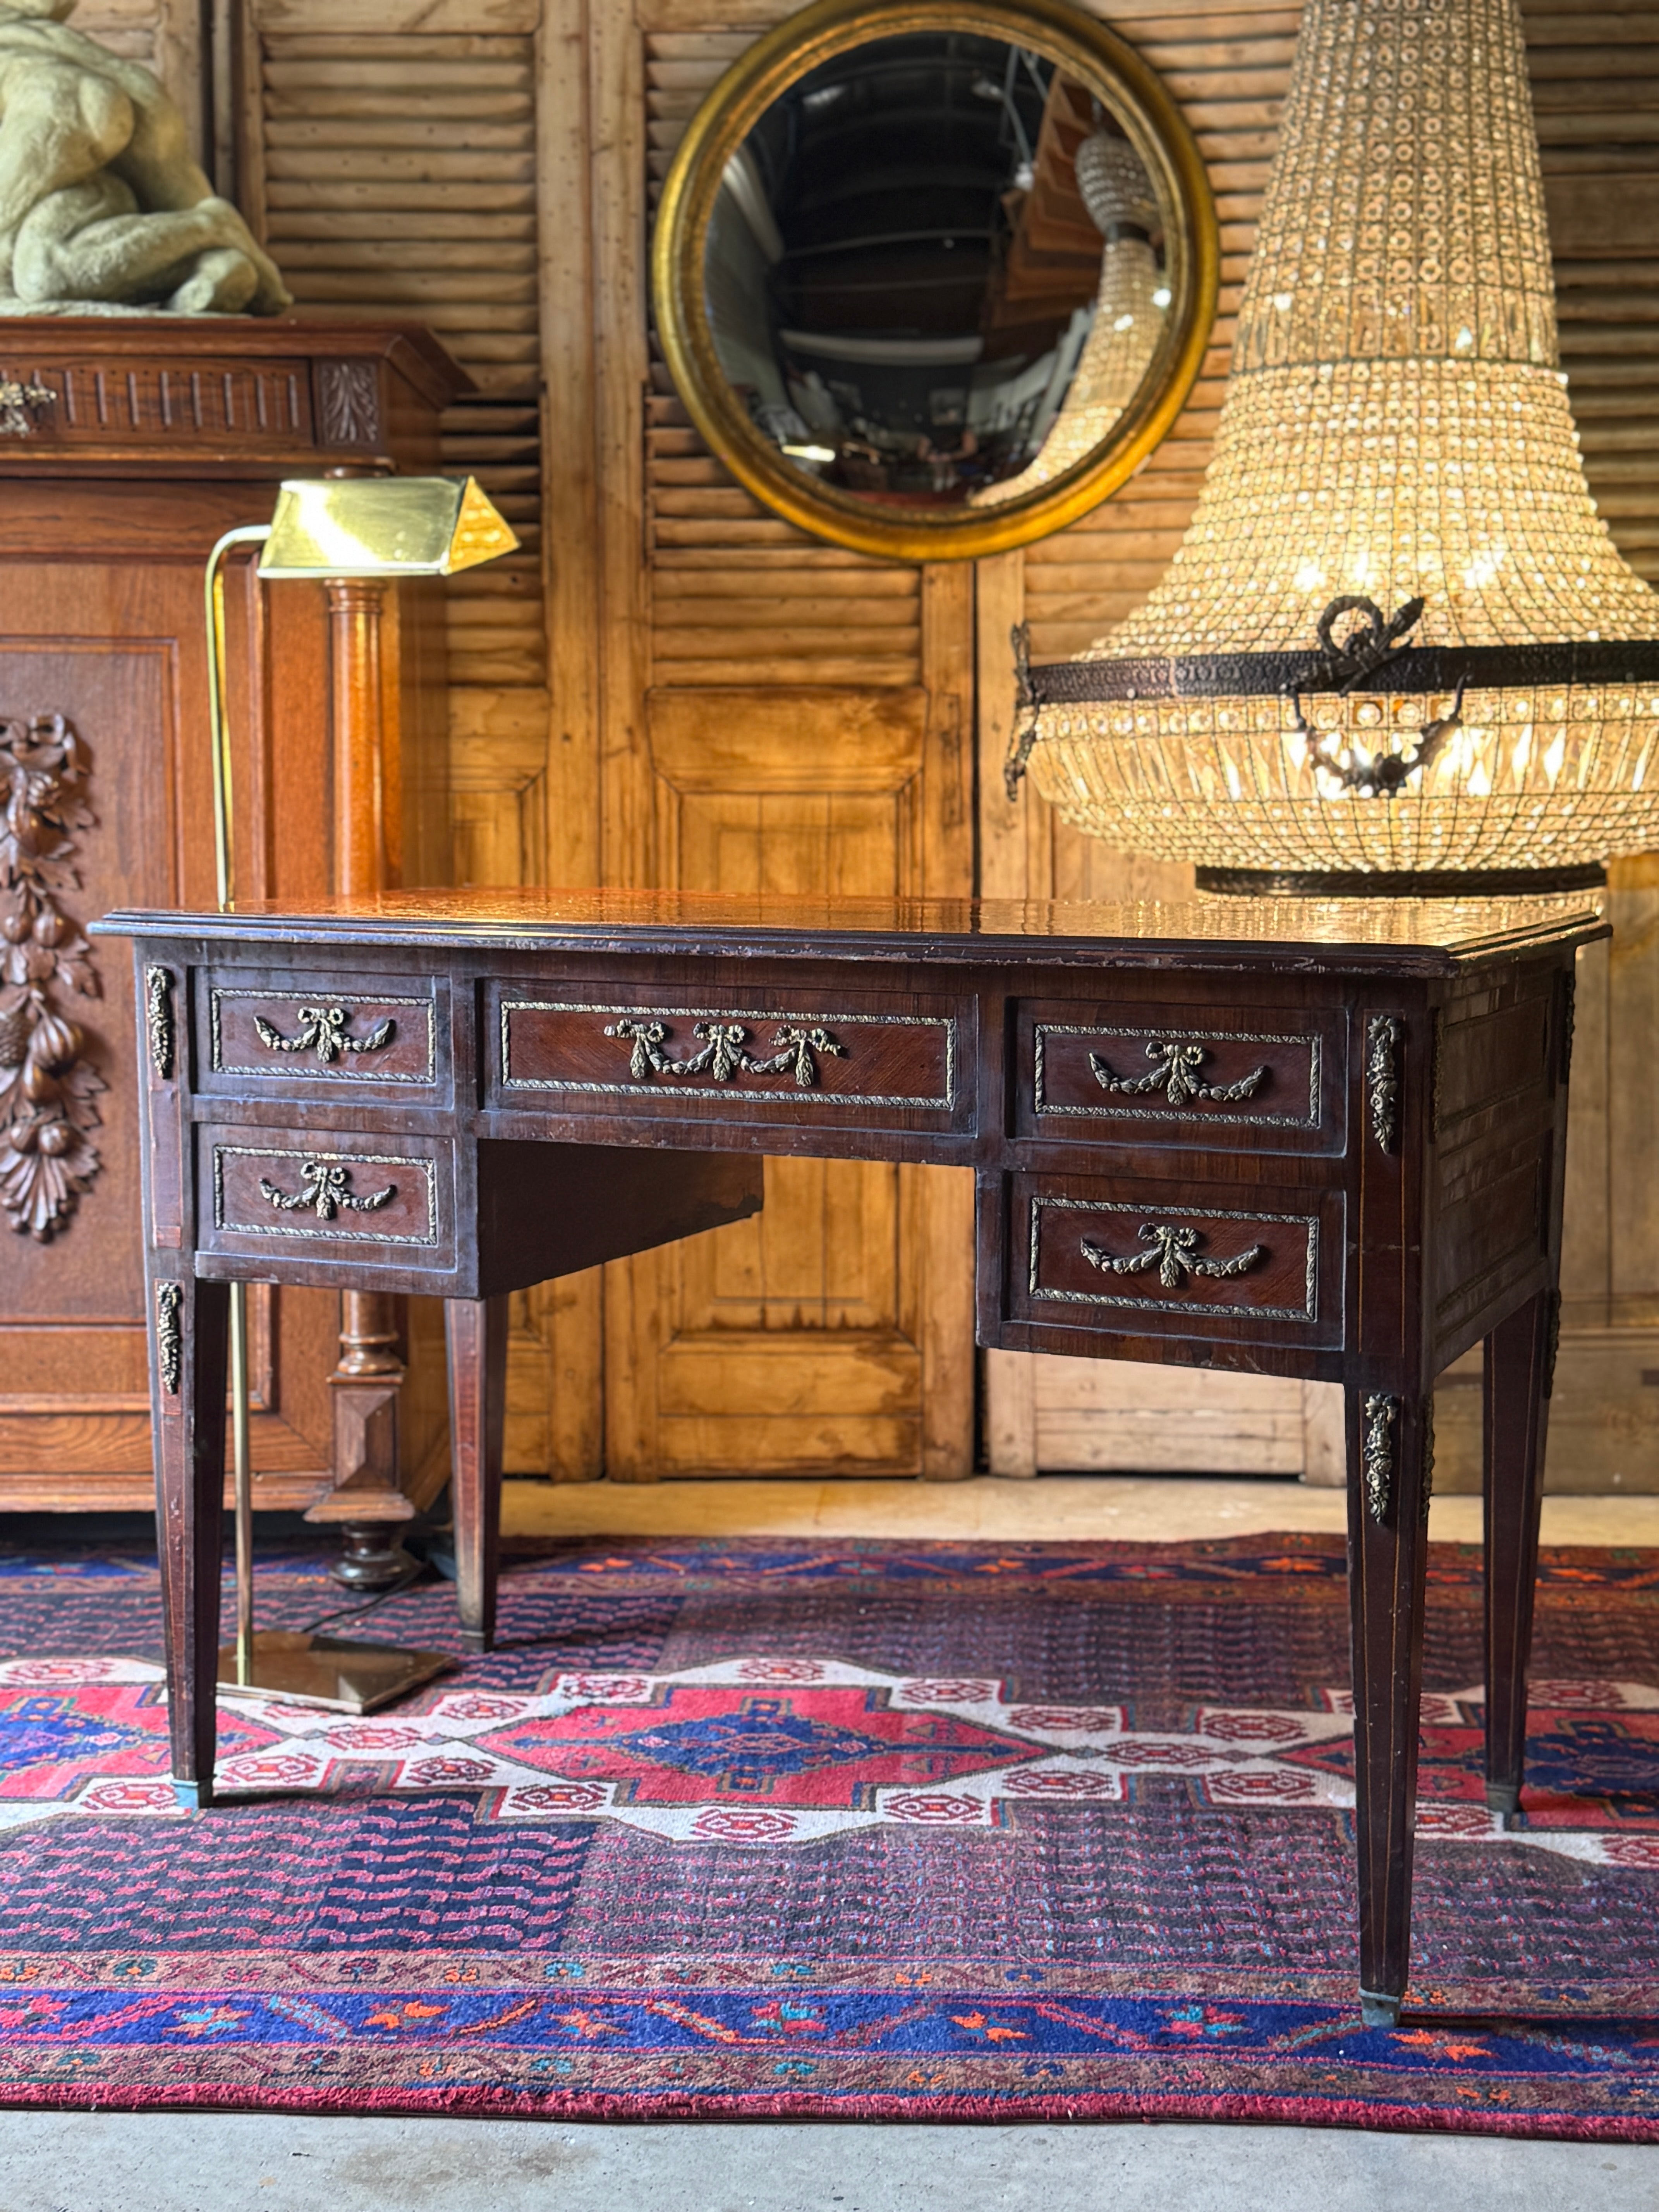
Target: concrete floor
[244,2162]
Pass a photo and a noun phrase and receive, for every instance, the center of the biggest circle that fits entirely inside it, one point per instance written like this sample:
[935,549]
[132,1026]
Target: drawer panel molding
[899,1061]
[323,1034]
[1167,1259]
[1178,1074]
[278,1190]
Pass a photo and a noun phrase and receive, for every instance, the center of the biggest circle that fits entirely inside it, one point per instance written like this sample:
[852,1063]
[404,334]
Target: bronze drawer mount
[1176,1075]
[326,1190]
[1377,1452]
[322,1031]
[1173,1252]
[725,1052]
[169,1334]
[1383,1033]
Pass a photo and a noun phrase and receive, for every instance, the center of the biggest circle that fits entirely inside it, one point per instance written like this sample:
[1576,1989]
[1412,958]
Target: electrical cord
[411,1573]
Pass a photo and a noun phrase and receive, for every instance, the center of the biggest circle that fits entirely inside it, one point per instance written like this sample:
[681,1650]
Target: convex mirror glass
[934,279]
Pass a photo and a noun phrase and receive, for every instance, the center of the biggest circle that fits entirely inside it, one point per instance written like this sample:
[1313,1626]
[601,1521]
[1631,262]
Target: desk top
[1418,937]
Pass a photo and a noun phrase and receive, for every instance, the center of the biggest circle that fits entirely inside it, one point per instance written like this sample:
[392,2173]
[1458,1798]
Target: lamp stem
[225,887]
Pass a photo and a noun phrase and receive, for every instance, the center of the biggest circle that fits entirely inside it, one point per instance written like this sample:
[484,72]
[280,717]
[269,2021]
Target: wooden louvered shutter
[809,716]
[394,170]
[388,156]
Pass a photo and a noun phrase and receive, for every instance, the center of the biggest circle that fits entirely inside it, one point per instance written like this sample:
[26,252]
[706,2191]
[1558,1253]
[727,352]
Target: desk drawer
[1173,1075]
[1203,1262]
[854,1060]
[315,1194]
[281,1033]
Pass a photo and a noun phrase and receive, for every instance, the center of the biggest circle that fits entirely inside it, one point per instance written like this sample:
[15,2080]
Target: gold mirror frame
[1155,127]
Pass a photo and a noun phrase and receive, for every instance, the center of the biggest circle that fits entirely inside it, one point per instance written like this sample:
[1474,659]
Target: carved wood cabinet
[127,445]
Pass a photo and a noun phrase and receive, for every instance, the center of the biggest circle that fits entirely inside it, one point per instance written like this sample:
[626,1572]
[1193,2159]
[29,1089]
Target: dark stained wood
[1292,938]
[1285,1249]
[853,1051]
[187,1401]
[475,1330]
[1410,1206]
[327,1193]
[256,1027]
[544,1214]
[1388,1551]
[258,398]
[1520,1354]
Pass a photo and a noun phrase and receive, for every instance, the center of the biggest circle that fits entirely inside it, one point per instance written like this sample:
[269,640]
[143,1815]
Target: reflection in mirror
[935,271]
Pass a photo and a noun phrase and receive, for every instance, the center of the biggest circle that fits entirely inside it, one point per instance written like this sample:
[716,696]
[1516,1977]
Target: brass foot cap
[1504,1798]
[1379,2011]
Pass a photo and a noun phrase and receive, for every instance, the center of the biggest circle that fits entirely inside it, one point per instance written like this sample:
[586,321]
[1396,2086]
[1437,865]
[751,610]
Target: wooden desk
[1286,1138]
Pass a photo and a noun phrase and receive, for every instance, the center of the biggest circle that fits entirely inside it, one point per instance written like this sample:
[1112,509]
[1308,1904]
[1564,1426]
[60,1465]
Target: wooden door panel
[824,1255]
[72,1330]
[795,1343]
[114,649]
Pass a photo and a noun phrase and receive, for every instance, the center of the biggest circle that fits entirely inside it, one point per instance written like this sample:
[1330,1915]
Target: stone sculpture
[101,206]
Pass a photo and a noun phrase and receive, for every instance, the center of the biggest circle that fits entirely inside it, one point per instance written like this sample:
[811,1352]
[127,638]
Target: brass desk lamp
[335,530]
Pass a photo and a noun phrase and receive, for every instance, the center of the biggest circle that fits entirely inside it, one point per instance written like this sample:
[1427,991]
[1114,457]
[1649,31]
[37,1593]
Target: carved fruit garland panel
[47,1087]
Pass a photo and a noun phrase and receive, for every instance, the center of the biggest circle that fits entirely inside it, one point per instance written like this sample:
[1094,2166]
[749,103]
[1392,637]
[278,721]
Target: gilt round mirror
[933,277]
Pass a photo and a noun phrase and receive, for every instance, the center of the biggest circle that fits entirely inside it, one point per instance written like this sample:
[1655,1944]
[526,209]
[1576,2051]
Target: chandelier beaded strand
[1395,429]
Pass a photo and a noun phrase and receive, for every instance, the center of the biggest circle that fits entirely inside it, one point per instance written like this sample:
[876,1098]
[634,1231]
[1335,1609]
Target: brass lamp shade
[385,526]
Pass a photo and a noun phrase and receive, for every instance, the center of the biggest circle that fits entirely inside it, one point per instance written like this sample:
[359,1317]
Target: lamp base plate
[328,1672]
[1404,882]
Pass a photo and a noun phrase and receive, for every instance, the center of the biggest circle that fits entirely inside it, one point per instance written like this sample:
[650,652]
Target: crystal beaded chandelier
[1397,649]
[1129,312]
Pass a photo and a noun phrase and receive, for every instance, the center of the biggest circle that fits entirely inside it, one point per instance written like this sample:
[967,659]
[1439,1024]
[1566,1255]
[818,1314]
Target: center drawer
[853,1059]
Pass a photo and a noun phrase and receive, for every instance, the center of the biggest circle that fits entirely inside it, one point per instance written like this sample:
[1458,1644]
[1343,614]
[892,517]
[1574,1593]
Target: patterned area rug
[920,1830]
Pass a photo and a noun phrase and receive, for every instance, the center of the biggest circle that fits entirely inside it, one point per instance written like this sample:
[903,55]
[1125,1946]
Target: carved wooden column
[367,814]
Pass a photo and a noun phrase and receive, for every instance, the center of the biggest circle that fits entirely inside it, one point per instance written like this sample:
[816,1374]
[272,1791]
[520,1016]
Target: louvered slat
[400,175]
[737,595]
[1598,127]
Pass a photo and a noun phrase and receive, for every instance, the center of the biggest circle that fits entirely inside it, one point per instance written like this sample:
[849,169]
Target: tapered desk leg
[1517,1408]
[189,1340]
[477,1333]
[1387,1543]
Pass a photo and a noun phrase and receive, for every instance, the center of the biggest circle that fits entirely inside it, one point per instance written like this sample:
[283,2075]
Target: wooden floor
[1062,1508]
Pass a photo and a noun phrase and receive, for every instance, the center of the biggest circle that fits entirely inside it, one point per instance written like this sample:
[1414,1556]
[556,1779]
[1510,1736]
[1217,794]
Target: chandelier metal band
[1416,670]
[1404,882]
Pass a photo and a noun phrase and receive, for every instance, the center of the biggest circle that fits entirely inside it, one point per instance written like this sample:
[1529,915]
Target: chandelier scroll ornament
[1024,735]
[47,1086]
[1342,667]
